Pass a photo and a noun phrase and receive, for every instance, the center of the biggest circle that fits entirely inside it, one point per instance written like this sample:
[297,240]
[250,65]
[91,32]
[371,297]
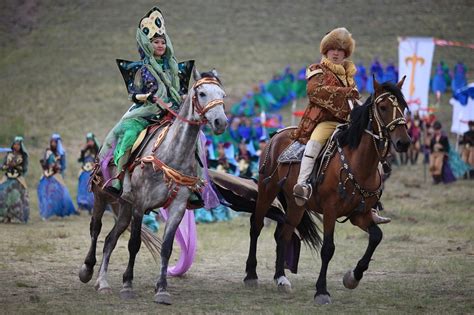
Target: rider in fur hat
[331,92]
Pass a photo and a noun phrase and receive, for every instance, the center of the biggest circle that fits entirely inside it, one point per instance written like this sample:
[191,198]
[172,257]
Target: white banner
[415,55]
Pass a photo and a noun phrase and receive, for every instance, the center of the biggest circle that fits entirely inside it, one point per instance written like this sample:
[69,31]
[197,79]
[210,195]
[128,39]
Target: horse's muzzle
[402,146]
[219,125]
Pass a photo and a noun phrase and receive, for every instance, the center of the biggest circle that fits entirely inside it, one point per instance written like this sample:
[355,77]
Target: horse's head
[389,107]
[208,100]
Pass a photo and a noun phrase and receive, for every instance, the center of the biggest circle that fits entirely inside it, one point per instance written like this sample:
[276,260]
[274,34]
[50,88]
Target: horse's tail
[310,231]
[150,239]
[152,242]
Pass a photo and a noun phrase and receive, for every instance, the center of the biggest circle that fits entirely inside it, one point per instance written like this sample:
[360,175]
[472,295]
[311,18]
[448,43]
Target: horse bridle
[201,110]
[385,129]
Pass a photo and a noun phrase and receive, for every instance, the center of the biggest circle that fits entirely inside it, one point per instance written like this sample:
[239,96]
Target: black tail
[309,230]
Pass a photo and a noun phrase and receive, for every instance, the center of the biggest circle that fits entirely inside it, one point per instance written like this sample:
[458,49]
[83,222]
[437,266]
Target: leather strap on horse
[365,194]
[173,176]
[160,138]
[199,109]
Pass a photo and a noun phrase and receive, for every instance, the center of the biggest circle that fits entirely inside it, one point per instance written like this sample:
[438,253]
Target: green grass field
[58,74]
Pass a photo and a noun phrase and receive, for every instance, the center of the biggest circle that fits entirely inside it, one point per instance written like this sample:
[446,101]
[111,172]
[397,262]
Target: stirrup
[302,196]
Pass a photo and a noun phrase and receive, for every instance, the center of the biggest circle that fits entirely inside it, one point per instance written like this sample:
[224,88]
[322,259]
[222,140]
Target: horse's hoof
[251,283]
[349,280]
[85,274]
[105,290]
[127,294]
[163,297]
[322,299]
[283,284]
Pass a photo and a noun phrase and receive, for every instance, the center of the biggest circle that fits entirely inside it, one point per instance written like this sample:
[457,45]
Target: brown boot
[379,219]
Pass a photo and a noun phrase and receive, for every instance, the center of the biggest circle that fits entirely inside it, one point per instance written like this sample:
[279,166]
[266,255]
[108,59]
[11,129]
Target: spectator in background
[447,76]
[390,74]
[53,196]
[439,147]
[459,77]
[438,83]
[360,77]
[14,204]
[376,70]
[85,198]
[467,153]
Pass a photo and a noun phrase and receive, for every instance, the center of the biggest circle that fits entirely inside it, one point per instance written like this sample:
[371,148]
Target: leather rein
[201,110]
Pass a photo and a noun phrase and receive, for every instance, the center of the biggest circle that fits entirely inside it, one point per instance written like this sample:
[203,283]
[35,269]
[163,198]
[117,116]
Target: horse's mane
[359,119]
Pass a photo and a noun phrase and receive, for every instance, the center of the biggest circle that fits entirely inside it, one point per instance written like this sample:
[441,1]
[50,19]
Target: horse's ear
[215,73]
[400,83]
[196,74]
[377,86]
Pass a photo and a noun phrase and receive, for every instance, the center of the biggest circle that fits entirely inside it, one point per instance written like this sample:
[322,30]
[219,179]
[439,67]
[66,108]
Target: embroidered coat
[328,97]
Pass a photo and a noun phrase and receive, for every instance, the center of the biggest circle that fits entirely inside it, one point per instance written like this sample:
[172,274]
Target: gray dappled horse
[165,177]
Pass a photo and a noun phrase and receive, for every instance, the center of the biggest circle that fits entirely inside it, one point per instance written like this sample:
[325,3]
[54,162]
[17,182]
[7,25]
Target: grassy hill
[57,58]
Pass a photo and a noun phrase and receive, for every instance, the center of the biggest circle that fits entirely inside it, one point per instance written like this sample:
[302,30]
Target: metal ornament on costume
[153,23]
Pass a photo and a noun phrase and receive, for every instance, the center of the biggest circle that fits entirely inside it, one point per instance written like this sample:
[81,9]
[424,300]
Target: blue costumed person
[53,196]
[459,78]
[438,84]
[360,77]
[390,74]
[85,198]
[376,70]
[14,205]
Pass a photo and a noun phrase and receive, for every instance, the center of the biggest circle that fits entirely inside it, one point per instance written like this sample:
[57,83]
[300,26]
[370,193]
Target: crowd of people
[431,142]
[444,80]
[54,198]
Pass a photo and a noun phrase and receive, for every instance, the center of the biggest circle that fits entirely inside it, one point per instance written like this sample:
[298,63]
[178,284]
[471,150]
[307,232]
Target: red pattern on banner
[442,42]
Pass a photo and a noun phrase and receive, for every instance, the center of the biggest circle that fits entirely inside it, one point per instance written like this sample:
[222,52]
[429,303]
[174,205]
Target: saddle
[293,154]
[100,174]
[196,201]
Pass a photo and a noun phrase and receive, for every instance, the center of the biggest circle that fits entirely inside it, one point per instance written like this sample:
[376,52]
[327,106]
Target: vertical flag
[415,57]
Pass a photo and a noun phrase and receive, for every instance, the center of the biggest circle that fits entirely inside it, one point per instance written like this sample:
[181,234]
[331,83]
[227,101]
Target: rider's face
[336,56]
[159,46]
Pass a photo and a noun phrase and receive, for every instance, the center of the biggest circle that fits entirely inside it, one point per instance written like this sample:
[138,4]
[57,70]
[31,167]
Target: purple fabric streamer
[187,238]
[186,235]
[208,194]
[105,162]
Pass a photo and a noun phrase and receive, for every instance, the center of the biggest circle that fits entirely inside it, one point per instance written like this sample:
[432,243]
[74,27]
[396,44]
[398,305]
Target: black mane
[359,119]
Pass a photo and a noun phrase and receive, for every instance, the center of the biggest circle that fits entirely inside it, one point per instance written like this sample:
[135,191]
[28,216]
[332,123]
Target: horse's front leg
[352,277]
[176,213]
[87,269]
[123,220]
[133,247]
[322,295]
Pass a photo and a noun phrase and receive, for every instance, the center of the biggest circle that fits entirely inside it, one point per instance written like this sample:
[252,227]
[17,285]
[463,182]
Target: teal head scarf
[91,136]
[167,79]
[20,140]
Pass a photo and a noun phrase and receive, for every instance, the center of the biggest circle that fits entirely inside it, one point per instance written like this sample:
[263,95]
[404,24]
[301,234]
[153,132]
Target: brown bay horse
[350,186]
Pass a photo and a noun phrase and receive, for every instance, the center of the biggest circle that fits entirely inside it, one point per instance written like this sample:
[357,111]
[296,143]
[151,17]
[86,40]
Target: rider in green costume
[157,77]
